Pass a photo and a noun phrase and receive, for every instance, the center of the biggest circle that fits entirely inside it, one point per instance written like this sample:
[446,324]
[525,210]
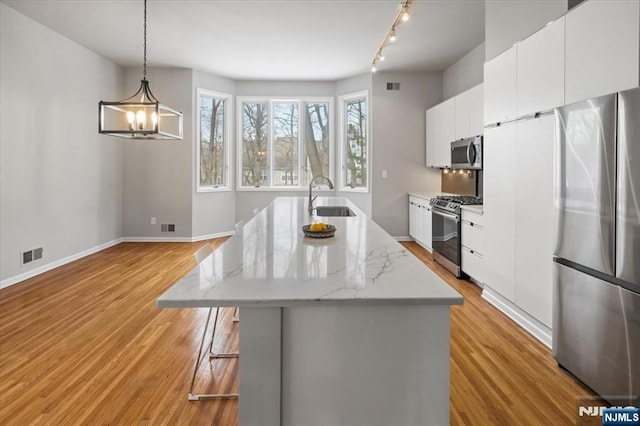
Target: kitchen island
[347,330]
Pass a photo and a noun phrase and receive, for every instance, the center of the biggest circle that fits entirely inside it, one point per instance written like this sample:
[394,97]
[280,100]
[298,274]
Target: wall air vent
[31,255]
[37,253]
[393,86]
[168,227]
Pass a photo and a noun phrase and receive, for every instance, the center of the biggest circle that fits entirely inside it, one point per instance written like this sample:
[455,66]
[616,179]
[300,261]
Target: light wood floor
[85,344]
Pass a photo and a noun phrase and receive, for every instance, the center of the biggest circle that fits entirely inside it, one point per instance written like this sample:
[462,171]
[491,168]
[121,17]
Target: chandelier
[140,116]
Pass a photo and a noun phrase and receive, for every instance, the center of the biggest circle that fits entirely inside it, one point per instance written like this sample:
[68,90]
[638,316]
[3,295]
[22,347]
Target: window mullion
[270,143]
[301,144]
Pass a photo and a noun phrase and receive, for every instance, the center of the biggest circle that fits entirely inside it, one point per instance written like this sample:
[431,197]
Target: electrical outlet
[384,174]
[153,220]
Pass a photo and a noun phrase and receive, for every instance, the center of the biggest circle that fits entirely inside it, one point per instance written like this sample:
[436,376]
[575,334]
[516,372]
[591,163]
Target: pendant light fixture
[141,116]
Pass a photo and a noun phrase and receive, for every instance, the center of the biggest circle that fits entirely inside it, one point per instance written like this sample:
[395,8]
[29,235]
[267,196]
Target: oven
[445,239]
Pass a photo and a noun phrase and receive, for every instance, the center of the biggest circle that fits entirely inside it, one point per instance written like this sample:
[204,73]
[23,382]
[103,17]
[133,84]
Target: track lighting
[392,34]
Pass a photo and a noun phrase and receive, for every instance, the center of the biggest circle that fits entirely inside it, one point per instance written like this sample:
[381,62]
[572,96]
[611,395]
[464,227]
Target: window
[355,142]
[284,143]
[213,141]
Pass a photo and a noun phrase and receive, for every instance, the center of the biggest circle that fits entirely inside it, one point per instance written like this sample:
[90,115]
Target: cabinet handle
[471,223]
[471,251]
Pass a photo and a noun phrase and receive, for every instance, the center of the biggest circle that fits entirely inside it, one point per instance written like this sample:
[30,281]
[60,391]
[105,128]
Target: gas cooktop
[461,199]
[452,203]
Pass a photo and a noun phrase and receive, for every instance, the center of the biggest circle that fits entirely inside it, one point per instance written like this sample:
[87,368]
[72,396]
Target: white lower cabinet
[473,245]
[420,220]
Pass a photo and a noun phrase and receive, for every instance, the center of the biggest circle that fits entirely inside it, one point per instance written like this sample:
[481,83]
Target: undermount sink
[334,211]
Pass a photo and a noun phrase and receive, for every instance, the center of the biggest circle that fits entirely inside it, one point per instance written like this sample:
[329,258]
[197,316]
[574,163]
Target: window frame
[301,101]
[228,126]
[343,100]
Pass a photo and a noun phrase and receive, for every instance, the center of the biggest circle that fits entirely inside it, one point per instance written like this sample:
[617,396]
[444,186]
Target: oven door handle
[447,215]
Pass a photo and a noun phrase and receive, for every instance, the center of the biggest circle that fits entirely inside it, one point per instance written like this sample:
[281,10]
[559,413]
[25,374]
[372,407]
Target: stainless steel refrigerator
[596,316]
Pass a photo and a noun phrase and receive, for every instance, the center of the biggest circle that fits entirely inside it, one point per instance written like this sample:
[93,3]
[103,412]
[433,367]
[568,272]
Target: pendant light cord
[144,70]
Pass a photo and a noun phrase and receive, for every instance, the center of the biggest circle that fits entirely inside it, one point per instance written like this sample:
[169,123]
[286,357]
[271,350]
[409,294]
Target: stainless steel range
[446,227]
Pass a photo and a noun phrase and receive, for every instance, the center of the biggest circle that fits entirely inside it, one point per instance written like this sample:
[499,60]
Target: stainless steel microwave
[467,153]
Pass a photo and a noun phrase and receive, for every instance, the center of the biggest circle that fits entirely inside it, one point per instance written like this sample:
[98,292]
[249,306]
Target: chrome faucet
[311,186]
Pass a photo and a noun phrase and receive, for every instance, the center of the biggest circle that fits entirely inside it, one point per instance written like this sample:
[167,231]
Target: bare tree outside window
[356,143]
[255,149]
[212,142]
[316,142]
[286,162]
[285,143]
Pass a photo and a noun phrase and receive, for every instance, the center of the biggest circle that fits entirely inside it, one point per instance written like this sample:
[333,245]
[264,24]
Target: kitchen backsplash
[465,183]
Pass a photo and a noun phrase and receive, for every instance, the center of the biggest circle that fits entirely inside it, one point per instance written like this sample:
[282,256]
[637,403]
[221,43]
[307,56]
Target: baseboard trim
[404,238]
[57,263]
[176,239]
[520,317]
[212,236]
[156,240]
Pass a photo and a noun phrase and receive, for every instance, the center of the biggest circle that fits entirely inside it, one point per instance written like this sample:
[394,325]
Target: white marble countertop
[428,195]
[477,208]
[270,263]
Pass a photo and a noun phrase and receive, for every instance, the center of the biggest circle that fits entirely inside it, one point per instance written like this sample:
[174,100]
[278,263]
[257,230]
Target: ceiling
[268,39]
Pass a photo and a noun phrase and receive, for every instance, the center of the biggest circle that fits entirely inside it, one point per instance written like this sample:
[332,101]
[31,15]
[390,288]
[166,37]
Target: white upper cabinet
[440,133]
[603,48]
[540,70]
[462,108]
[500,87]
[476,110]
[447,130]
[433,120]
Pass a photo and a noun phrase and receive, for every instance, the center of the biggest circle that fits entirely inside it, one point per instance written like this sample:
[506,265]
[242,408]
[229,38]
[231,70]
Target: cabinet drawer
[472,236]
[474,217]
[473,264]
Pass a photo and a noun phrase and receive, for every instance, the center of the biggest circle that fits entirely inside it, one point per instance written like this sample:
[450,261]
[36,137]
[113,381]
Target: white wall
[508,21]
[214,213]
[464,74]
[158,174]
[399,127]
[60,181]
[246,201]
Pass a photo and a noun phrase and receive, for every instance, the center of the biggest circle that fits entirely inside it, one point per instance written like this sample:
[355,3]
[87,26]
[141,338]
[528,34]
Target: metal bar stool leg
[218,355]
[196,397]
